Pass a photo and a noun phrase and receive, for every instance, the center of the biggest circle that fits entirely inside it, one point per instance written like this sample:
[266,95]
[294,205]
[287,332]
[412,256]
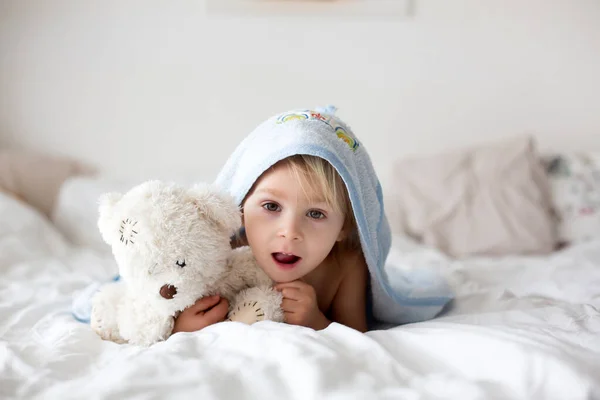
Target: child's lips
[286,260]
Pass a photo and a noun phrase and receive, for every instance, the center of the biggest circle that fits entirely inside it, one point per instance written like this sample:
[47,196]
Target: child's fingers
[204,304]
[288,305]
[291,293]
[292,284]
[217,313]
[288,317]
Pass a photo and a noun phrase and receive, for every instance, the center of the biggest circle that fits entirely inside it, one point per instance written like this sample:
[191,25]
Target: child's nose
[290,228]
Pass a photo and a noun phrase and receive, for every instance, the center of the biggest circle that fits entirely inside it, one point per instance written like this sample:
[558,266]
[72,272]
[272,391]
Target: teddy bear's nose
[168,291]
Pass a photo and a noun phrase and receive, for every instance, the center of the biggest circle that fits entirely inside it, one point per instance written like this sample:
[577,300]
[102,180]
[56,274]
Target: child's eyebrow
[271,191]
[319,201]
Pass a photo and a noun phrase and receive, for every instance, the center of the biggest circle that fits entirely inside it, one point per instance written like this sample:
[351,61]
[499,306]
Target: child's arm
[349,304]
[206,311]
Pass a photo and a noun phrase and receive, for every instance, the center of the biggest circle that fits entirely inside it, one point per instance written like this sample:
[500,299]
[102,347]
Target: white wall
[157,88]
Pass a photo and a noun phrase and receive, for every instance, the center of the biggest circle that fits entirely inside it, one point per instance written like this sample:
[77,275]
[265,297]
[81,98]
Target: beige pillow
[491,200]
[36,178]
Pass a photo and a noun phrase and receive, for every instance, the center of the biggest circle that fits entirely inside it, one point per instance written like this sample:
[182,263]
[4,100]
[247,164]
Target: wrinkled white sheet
[521,328]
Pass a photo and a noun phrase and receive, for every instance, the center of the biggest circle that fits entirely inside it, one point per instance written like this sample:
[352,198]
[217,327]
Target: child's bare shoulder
[348,269]
[348,306]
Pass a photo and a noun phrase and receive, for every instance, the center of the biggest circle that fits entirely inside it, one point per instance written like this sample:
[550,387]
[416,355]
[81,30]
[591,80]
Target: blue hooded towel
[397,295]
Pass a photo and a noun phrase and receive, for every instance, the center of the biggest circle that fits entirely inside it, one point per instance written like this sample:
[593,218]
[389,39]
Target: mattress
[519,328]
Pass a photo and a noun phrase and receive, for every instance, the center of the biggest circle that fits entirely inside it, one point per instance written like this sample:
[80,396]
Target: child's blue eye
[314,214]
[271,207]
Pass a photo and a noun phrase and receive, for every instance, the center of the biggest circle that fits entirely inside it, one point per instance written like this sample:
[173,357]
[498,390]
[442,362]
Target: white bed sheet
[521,328]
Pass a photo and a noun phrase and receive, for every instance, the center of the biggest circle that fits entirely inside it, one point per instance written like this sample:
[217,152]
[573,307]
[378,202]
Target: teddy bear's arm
[245,271]
[104,317]
[255,299]
[141,325]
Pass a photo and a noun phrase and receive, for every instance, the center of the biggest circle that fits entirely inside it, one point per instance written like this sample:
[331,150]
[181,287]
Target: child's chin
[283,276]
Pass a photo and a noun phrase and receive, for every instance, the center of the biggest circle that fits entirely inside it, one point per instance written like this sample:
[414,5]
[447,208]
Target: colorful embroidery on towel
[351,142]
[313,115]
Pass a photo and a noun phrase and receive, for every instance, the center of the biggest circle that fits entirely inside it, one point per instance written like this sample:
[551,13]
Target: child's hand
[300,305]
[206,311]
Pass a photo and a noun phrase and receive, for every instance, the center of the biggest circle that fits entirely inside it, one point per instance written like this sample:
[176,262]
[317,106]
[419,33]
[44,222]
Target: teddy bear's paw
[248,312]
[105,331]
[256,304]
[103,316]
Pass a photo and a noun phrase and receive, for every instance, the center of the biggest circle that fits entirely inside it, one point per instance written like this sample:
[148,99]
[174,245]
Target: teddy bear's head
[171,243]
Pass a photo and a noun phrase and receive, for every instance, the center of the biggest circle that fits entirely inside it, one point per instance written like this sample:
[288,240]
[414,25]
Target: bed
[525,327]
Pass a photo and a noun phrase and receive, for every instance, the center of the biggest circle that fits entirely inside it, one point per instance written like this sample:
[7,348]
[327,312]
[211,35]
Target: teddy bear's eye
[180,263]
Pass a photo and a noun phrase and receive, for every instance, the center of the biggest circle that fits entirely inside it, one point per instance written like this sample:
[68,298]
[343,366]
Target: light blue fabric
[81,306]
[398,296]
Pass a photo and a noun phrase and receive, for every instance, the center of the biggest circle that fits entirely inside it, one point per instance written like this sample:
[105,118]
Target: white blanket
[521,328]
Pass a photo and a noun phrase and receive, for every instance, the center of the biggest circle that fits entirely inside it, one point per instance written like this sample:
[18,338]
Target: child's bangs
[319,181]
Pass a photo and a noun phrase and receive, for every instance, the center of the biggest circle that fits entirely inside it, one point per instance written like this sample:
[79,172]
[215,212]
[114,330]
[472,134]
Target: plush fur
[165,236]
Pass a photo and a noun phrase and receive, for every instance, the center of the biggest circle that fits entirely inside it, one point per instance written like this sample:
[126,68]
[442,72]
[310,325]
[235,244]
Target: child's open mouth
[285,260]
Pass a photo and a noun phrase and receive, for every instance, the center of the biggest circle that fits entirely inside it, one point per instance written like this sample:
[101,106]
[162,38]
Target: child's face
[290,234]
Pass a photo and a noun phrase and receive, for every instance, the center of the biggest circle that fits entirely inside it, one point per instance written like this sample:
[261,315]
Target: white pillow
[26,234]
[76,211]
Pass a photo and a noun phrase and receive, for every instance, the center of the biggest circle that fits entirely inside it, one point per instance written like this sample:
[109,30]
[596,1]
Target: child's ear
[342,235]
[218,206]
[108,225]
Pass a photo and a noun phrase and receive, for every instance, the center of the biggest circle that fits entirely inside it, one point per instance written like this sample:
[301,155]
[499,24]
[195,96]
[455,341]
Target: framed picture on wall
[356,8]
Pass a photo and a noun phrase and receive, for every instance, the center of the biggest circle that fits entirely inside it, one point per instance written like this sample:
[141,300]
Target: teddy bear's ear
[218,206]
[107,223]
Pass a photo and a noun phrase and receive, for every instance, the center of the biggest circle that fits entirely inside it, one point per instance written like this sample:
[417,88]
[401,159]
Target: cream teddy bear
[172,247]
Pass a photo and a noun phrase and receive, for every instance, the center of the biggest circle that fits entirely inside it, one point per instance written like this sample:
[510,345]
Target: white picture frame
[315,8]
